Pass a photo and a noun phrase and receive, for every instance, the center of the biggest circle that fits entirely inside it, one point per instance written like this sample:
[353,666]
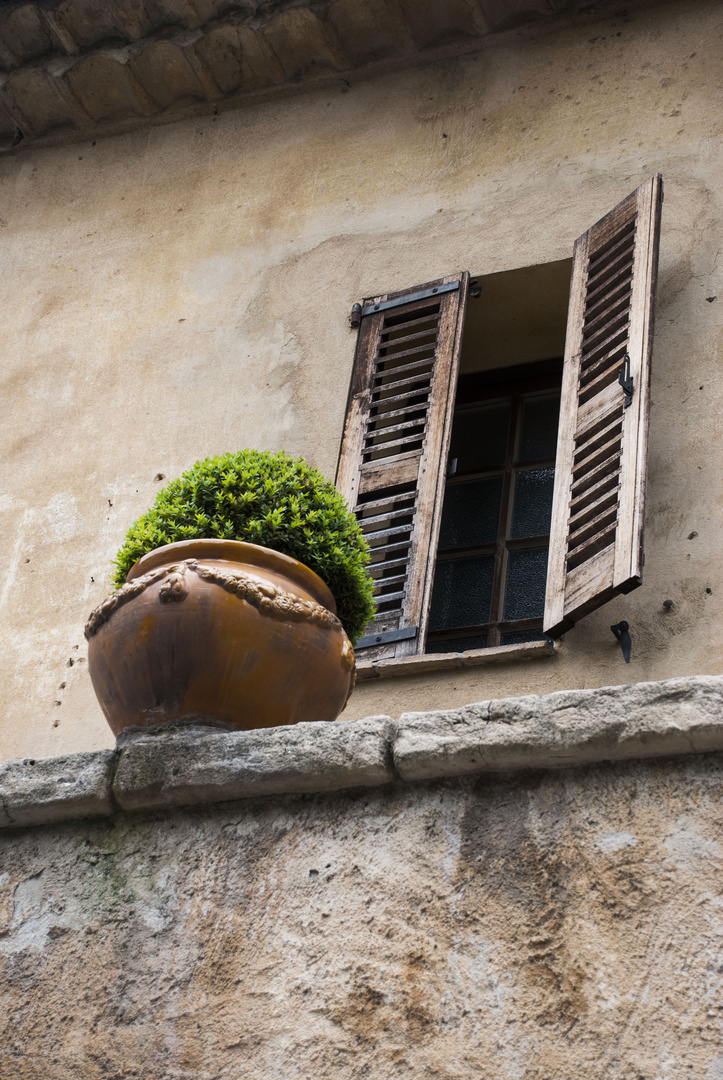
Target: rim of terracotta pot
[235,551]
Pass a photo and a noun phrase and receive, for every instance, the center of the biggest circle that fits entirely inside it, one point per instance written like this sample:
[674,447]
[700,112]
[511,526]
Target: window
[491,566]
[462,549]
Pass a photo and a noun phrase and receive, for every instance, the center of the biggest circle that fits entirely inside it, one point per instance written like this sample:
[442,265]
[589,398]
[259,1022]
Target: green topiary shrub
[268,499]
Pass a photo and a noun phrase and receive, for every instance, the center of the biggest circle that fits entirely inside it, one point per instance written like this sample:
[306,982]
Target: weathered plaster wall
[181,291]
[551,925]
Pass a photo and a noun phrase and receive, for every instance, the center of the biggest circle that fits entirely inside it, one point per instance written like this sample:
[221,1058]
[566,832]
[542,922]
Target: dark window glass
[471,513]
[462,592]
[538,438]
[479,437]
[505,428]
[518,637]
[533,503]
[460,644]
[525,586]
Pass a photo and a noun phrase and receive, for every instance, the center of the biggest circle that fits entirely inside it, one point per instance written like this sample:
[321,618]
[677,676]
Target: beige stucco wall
[553,926]
[184,290]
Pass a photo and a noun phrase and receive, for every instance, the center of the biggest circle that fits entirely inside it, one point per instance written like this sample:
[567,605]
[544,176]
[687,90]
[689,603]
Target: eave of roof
[78,67]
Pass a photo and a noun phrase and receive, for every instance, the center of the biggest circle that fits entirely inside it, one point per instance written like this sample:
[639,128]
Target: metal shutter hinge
[626,381]
[386,636]
[409,298]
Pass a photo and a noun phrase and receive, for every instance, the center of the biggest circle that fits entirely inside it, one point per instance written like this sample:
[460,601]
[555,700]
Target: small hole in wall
[709,592]
[313,873]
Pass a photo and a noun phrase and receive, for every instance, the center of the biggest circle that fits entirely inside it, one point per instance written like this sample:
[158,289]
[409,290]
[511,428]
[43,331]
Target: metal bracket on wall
[621,631]
[385,636]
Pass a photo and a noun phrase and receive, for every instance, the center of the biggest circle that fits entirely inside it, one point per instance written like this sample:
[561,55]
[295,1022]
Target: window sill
[413,665]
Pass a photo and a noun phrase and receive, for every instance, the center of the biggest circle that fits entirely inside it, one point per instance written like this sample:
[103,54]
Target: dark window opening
[491,570]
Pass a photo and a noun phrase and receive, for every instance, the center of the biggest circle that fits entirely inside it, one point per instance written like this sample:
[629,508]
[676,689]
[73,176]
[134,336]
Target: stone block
[186,768]
[502,14]
[36,100]
[369,31]
[433,24]
[24,34]
[303,43]
[165,74]
[47,790]
[570,727]
[220,53]
[107,89]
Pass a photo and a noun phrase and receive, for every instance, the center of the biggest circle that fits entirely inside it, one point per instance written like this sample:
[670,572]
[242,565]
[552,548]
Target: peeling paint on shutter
[394,451]
[597,517]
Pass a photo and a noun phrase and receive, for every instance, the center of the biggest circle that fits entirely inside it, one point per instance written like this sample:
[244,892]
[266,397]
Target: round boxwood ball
[269,499]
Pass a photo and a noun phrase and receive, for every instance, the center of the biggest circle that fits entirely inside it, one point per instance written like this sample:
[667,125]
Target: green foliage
[267,499]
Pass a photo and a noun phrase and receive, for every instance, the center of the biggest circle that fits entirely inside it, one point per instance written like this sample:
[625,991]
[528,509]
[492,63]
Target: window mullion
[504,526]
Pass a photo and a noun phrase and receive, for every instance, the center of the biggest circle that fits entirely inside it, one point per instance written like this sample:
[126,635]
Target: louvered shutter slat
[395,445]
[598,504]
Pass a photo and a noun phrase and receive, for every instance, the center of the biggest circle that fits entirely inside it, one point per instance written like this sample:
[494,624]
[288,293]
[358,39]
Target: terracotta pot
[220,631]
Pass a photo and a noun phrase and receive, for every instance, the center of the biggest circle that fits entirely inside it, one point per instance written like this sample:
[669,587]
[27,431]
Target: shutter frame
[360,480]
[611,312]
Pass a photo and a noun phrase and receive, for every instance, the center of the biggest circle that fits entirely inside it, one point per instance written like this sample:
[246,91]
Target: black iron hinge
[385,636]
[358,312]
[626,381]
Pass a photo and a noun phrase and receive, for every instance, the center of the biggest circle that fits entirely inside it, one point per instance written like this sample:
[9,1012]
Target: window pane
[479,437]
[518,637]
[460,644]
[525,587]
[471,513]
[462,592]
[532,507]
[538,438]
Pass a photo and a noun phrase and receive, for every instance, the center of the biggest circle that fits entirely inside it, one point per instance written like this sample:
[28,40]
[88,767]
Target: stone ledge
[34,792]
[157,771]
[567,728]
[570,727]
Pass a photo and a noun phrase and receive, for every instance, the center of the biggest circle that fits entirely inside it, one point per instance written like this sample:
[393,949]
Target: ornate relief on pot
[267,598]
[175,586]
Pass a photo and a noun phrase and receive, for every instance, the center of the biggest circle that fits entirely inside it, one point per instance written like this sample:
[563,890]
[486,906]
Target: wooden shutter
[394,452]
[597,516]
